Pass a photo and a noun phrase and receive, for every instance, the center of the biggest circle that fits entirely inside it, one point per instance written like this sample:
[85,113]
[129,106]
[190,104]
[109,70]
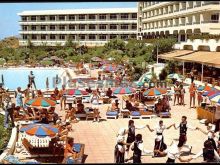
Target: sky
[9,25]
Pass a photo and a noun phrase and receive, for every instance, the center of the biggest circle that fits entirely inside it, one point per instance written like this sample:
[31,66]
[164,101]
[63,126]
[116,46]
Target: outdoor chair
[112,114]
[135,115]
[125,113]
[79,148]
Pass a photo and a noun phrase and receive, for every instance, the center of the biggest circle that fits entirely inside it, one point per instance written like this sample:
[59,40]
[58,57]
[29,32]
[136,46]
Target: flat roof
[79,11]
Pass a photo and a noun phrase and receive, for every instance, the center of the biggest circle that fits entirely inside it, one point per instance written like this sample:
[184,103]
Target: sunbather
[69,153]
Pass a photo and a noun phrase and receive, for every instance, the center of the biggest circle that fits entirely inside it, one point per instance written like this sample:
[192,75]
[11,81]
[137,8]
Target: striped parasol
[155,92]
[215,98]
[205,88]
[40,102]
[123,90]
[110,68]
[76,92]
[40,130]
[211,92]
[175,76]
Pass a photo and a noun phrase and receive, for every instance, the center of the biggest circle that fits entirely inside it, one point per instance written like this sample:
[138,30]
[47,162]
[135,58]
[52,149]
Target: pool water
[18,77]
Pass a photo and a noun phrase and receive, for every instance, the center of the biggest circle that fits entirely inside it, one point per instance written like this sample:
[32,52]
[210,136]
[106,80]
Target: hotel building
[87,26]
[178,18]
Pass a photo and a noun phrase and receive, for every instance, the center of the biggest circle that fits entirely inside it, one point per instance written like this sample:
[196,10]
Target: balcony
[189,23]
[190,7]
[196,23]
[182,9]
[211,3]
[210,21]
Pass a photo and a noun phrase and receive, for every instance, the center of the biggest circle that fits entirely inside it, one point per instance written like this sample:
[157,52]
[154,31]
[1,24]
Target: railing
[190,7]
[211,3]
[196,23]
[182,9]
[211,21]
[189,23]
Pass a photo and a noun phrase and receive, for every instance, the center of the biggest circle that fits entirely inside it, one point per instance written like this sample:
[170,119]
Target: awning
[208,58]
[175,53]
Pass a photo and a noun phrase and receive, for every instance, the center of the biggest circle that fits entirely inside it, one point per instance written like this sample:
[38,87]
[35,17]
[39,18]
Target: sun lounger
[79,148]
[164,114]
[135,115]
[147,114]
[125,112]
[112,114]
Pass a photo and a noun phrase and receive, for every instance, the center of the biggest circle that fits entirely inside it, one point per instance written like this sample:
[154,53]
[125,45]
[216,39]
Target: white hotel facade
[88,26]
[179,19]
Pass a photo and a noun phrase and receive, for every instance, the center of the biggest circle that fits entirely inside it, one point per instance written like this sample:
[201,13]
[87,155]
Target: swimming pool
[18,77]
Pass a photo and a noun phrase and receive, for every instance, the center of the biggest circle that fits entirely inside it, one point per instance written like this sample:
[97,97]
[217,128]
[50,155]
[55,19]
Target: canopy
[208,58]
[175,53]
[123,90]
[40,102]
[41,130]
[155,92]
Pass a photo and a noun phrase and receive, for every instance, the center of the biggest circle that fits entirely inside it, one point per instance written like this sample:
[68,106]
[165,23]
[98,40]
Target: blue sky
[9,19]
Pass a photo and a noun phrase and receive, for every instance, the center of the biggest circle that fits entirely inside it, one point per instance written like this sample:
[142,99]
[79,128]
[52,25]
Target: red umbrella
[76,92]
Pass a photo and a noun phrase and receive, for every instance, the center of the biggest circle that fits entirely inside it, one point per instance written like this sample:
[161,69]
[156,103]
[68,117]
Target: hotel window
[33,27]
[215,18]
[34,37]
[61,17]
[134,16]
[125,26]
[134,26]
[112,36]
[62,37]
[24,18]
[24,28]
[62,27]
[71,27]
[102,27]
[124,37]
[82,27]
[92,17]
[71,17]
[113,27]
[102,37]
[102,16]
[113,17]
[52,37]
[92,37]
[42,18]
[124,16]
[92,27]
[52,27]
[73,37]
[33,18]
[52,18]
[42,27]
[82,17]
[43,37]
[24,37]
[82,37]
[133,36]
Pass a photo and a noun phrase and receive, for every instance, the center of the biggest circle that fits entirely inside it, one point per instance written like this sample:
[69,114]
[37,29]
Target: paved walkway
[99,138]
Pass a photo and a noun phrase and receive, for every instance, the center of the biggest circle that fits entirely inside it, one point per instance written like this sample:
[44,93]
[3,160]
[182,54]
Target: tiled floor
[99,138]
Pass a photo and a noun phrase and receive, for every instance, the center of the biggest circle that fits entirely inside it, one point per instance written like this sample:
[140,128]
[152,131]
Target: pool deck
[100,138]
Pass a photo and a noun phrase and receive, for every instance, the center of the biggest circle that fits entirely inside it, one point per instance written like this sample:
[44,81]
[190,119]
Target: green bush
[163,74]
[4,134]
[46,62]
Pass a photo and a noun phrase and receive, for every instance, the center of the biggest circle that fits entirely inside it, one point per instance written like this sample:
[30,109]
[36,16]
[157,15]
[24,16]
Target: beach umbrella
[154,92]
[215,98]
[205,88]
[40,102]
[40,130]
[123,90]
[96,59]
[47,83]
[76,92]
[3,80]
[211,92]
[175,76]
[110,68]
